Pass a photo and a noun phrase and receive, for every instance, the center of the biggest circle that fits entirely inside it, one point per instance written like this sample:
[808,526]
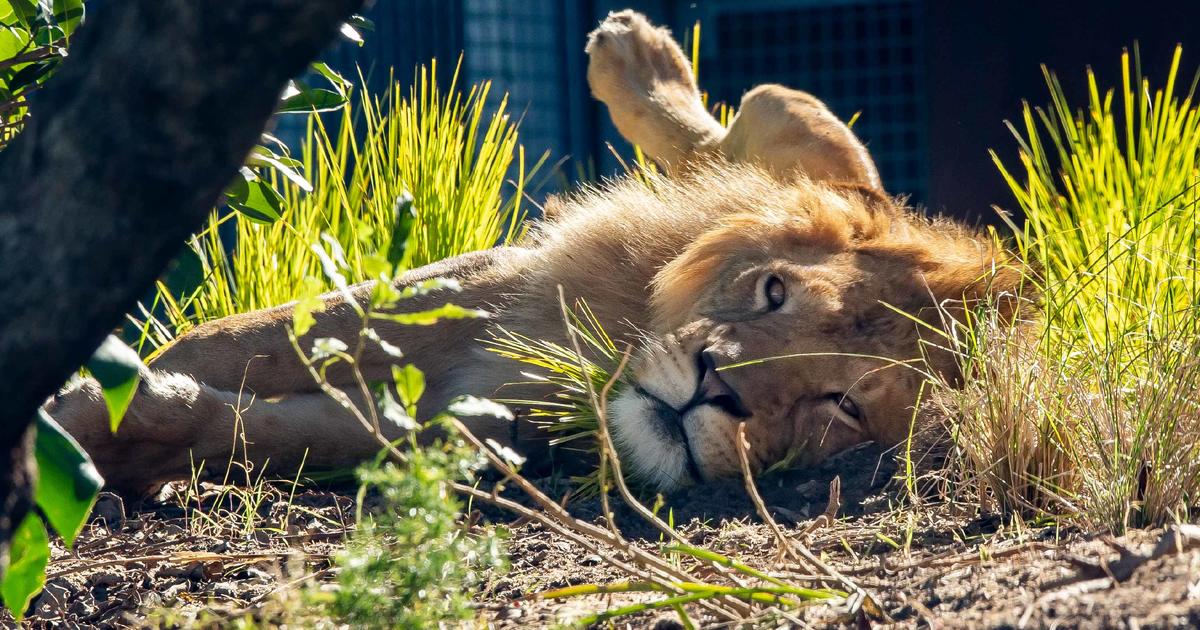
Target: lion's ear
[792,133]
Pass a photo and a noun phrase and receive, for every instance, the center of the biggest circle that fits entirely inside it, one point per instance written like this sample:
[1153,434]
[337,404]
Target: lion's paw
[154,434]
[630,57]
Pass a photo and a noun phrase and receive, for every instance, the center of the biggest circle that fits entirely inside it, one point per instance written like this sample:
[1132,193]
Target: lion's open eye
[853,415]
[774,292]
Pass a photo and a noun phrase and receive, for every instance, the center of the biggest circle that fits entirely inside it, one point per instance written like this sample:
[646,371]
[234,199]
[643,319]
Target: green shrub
[33,41]
[411,564]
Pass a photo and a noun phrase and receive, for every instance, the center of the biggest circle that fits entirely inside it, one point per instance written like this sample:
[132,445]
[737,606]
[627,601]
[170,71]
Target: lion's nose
[713,389]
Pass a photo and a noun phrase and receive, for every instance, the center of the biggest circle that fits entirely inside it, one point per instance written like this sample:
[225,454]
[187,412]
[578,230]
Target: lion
[772,238]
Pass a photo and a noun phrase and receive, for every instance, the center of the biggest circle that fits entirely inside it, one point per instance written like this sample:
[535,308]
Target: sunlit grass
[443,150]
[1090,413]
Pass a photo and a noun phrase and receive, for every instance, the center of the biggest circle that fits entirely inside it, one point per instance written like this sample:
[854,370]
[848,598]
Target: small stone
[109,510]
[591,560]
[151,600]
[172,592]
[226,590]
[104,578]
[511,612]
[83,606]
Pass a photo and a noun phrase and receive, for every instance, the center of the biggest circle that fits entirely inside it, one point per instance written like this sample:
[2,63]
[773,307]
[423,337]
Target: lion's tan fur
[669,265]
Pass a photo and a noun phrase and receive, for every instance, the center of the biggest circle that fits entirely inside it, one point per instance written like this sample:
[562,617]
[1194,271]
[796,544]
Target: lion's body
[675,267]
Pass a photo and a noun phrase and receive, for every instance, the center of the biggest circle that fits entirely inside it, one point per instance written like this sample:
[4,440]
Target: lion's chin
[651,443]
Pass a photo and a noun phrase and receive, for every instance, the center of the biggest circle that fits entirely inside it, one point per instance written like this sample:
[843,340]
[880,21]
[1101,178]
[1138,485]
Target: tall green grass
[443,150]
[1109,194]
[1090,414]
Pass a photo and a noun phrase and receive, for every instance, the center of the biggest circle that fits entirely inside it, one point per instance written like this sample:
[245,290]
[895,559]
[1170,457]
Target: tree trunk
[128,148]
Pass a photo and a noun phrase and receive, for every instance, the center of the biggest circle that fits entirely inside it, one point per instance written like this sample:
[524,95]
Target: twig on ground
[743,450]
[859,598]
[587,535]
[182,557]
[953,560]
[827,517]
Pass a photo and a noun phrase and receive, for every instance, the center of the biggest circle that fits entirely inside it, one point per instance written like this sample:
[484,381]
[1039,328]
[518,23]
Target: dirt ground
[151,563]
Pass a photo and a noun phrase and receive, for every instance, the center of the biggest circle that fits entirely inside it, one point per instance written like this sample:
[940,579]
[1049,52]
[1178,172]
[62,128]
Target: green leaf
[396,413]
[51,37]
[25,11]
[254,198]
[425,287]
[264,157]
[26,572]
[349,33]
[31,74]
[67,481]
[13,41]
[341,84]
[303,99]
[383,294]
[361,23]
[307,303]
[410,385]
[326,347]
[404,218]
[376,267]
[117,367]
[68,14]
[433,315]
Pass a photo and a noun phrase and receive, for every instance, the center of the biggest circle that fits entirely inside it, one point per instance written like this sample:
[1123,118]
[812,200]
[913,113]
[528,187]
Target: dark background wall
[931,81]
[984,59]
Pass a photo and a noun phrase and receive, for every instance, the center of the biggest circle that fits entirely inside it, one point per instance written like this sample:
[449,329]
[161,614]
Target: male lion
[771,238]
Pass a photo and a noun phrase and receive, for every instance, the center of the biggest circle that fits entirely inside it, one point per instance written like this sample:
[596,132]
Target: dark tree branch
[128,147]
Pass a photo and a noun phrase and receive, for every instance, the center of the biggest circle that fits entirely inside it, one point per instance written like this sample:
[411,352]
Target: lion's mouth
[670,421]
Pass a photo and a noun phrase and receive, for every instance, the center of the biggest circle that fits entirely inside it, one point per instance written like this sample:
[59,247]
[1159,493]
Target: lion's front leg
[253,352]
[242,373]
[178,427]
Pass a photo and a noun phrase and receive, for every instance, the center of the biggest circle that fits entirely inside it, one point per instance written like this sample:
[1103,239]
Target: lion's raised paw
[631,55]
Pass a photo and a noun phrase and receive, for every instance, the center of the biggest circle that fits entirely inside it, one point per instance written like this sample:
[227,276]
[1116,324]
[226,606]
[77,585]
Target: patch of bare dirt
[926,568]
[152,563]
[158,563]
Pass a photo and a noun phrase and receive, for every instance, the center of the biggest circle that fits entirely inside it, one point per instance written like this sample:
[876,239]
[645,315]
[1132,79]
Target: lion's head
[814,323]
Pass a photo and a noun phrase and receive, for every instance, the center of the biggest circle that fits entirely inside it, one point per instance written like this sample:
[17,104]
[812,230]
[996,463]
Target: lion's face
[790,324]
